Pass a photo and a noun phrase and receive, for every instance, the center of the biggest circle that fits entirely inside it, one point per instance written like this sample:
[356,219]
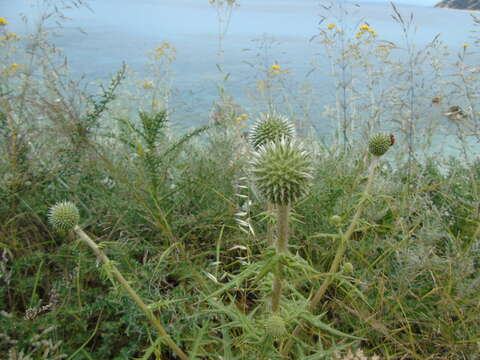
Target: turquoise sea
[119,31]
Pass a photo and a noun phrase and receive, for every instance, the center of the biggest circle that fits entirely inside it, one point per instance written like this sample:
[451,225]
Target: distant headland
[460,4]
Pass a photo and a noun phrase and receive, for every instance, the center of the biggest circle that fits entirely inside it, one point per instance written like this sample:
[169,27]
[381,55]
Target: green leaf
[315,321]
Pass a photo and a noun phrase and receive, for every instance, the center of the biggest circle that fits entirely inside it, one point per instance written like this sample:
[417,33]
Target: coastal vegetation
[251,237]
[460,4]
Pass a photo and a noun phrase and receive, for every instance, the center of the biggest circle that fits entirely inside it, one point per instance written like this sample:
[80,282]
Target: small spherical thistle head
[275,326]
[336,220]
[347,268]
[380,143]
[282,171]
[271,127]
[64,216]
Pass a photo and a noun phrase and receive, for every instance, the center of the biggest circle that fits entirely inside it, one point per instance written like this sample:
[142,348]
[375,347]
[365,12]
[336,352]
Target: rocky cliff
[460,4]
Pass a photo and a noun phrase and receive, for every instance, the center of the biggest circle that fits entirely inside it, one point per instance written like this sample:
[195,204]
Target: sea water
[260,33]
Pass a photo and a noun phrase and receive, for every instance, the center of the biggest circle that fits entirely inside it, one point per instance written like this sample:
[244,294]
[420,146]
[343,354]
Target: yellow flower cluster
[365,29]
[242,117]
[276,69]
[165,49]
[12,68]
[164,46]
[330,26]
[466,45]
[3,21]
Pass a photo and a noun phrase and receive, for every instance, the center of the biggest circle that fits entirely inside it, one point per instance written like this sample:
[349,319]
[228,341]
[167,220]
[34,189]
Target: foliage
[181,218]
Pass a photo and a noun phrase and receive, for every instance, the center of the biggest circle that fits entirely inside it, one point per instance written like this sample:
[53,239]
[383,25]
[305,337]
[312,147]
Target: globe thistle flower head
[64,216]
[271,127]
[282,171]
[275,326]
[379,144]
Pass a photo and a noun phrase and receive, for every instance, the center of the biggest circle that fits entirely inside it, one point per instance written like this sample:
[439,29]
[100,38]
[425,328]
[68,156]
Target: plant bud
[271,127]
[347,268]
[379,144]
[275,326]
[64,216]
[336,220]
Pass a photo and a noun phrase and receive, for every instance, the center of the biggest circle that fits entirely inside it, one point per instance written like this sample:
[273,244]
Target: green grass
[182,219]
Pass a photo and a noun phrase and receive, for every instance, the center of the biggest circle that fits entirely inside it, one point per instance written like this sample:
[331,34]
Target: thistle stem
[344,241]
[270,226]
[282,247]
[126,286]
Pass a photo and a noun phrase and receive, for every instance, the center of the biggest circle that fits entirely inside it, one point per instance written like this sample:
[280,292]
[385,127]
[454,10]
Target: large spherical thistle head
[64,216]
[271,127]
[275,326]
[282,171]
[380,143]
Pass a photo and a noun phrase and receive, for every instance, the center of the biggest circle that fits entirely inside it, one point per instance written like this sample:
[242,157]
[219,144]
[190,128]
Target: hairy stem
[282,247]
[126,286]
[270,226]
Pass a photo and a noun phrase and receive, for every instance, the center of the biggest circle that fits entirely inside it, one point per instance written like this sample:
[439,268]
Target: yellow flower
[12,68]
[466,45]
[364,27]
[358,35]
[242,117]
[3,21]
[276,67]
[154,102]
[373,32]
[330,26]
[339,31]
[147,85]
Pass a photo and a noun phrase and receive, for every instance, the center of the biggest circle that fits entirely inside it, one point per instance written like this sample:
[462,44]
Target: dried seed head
[379,144]
[275,326]
[64,216]
[271,127]
[282,171]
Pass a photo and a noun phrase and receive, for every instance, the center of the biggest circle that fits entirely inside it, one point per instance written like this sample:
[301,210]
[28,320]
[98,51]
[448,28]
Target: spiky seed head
[379,144]
[270,127]
[275,326]
[64,216]
[282,171]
